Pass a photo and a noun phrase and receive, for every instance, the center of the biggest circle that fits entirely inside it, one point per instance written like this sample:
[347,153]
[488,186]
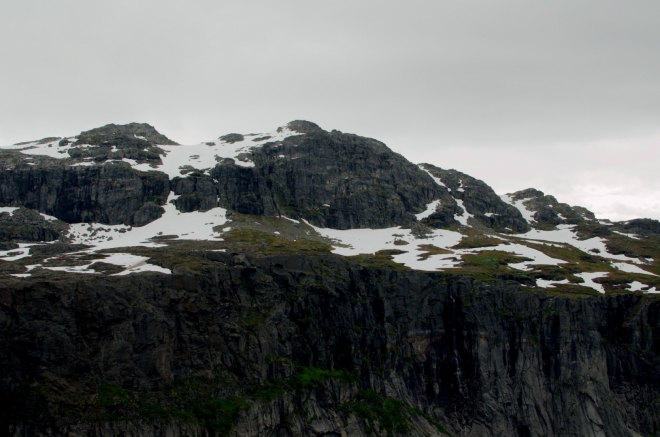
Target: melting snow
[463,219]
[627,235]
[198,224]
[545,284]
[437,180]
[637,286]
[430,209]
[526,213]
[631,268]
[203,155]
[369,241]
[537,257]
[565,234]
[22,251]
[589,280]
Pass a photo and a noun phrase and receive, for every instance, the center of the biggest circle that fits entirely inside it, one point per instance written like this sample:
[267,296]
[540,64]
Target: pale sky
[562,96]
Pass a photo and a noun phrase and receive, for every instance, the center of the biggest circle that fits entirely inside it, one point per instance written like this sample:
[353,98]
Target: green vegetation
[474,241]
[391,415]
[192,400]
[312,377]
[488,265]
[430,249]
[250,240]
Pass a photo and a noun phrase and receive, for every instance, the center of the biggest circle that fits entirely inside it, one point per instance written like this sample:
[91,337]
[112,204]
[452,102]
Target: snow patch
[629,268]
[526,213]
[589,280]
[545,284]
[430,209]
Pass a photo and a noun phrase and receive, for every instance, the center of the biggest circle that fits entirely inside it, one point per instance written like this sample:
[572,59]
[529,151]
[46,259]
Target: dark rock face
[331,179]
[112,193]
[232,138]
[479,199]
[136,141]
[28,225]
[641,226]
[482,359]
[548,209]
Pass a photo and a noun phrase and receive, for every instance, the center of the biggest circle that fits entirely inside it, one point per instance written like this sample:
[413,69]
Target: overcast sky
[562,96]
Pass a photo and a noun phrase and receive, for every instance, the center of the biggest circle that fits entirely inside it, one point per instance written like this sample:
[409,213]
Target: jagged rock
[28,225]
[641,226]
[321,169]
[111,193]
[479,199]
[232,138]
[136,141]
[548,211]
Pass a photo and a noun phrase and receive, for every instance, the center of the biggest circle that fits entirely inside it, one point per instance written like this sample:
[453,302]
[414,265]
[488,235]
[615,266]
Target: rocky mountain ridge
[309,282]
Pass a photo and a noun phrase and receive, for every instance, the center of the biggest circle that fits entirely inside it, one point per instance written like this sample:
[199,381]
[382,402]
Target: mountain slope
[304,282]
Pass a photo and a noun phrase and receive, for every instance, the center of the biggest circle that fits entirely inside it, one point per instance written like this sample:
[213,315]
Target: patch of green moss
[192,400]
[391,415]
[378,260]
[250,240]
[488,265]
[474,241]
[313,377]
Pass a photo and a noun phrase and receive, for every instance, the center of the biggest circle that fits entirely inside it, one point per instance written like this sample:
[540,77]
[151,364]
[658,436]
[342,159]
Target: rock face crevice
[477,358]
[112,193]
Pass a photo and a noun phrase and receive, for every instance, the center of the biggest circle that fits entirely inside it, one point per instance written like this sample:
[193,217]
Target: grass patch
[475,241]
[313,377]
[250,240]
[430,249]
[488,265]
[391,415]
[192,400]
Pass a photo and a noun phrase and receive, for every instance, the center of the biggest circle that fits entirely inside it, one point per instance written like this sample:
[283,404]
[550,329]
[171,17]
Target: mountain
[304,282]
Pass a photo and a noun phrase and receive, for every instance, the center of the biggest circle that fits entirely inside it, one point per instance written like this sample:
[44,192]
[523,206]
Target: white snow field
[565,234]
[204,156]
[195,225]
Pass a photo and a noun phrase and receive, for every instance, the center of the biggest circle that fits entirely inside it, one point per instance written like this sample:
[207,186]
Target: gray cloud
[467,83]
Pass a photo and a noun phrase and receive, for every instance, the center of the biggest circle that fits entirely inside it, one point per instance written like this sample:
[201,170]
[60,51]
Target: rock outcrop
[111,193]
[478,199]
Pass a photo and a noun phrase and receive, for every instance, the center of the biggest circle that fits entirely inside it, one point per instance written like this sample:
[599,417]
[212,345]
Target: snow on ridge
[194,225]
[9,209]
[630,268]
[52,148]
[205,155]
[589,280]
[369,241]
[463,219]
[430,209]
[526,213]
[435,179]
[565,234]
[549,284]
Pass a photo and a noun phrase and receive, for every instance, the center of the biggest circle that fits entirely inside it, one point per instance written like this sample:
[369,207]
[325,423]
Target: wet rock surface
[97,356]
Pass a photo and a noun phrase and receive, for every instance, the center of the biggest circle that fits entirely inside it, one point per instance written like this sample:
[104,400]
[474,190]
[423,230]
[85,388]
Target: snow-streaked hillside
[561,244]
